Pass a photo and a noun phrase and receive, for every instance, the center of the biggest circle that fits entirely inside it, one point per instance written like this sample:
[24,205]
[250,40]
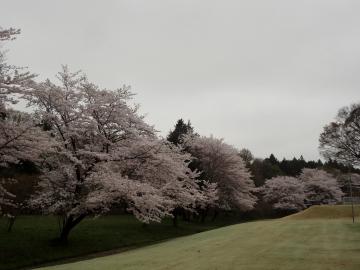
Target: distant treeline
[269,167]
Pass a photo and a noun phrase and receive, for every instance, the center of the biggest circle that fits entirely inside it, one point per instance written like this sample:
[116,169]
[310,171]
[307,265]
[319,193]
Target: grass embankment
[326,212]
[319,238]
[29,242]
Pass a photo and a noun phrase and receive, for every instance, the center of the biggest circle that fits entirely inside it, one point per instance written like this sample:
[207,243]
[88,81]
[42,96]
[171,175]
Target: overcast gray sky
[265,75]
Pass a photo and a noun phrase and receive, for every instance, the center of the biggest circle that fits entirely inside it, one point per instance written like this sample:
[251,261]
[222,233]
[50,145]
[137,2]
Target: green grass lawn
[29,242]
[326,240]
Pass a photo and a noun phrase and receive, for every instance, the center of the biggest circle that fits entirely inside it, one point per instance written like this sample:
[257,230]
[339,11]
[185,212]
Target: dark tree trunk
[196,216]
[186,215]
[69,224]
[204,214]
[11,221]
[175,219]
[65,232]
[216,213]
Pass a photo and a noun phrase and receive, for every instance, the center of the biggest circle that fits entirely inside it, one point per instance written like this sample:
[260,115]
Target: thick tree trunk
[204,214]
[69,224]
[65,232]
[196,216]
[175,219]
[216,213]
[11,221]
[186,215]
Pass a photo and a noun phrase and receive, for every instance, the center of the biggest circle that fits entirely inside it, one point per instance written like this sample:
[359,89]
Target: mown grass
[29,243]
[316,243]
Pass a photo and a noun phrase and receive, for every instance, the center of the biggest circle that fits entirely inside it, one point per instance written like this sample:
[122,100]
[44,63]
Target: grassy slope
[326,212]
[291,243]
[29,242]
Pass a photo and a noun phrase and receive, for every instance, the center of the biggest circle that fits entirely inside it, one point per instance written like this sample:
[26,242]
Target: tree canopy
[340,138]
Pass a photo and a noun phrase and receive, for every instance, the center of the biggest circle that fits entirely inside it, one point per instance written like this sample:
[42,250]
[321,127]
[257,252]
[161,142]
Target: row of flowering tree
[313,186]
[220,163]
[95,151]
[20,138]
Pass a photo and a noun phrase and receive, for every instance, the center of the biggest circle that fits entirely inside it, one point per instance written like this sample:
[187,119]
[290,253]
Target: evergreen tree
[264,169]
[181,128]
[273,160]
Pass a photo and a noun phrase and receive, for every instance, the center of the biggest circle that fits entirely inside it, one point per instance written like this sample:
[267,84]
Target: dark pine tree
[273,160]
[181,128]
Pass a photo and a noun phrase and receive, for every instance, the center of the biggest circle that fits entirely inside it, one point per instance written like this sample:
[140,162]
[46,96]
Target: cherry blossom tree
[209,199]
[320,186]
[13,124]
[284,193]
[165,166]
[12,79]
[106,155]
[220,163]
[21,138]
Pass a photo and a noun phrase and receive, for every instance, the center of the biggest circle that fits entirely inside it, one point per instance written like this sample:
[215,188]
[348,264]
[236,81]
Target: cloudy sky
[266,75]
